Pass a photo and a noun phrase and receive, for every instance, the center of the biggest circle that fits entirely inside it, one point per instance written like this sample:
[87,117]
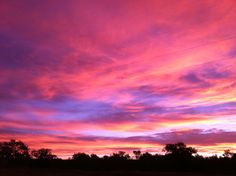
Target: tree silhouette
[228,153]
[178,157]
[81,156]
[14,150]
[43,154]
[121,155]
[179,150]
[137,154]
[146,156]
[94,157]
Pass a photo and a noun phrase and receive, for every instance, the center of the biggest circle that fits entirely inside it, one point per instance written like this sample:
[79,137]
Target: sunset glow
[99,76]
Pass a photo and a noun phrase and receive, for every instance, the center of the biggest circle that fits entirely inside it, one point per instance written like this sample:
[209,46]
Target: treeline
[177,157]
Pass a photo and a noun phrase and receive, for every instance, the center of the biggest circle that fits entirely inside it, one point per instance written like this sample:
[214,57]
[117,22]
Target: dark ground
[58,172]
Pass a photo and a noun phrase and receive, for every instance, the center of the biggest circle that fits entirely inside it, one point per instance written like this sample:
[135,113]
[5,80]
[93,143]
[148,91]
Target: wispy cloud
[115,72]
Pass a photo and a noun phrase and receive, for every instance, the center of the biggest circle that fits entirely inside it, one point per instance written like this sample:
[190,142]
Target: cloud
[213,73]
[232,53]
[199,137]
[79,68]
[194,136]
[192,78]
[222,108]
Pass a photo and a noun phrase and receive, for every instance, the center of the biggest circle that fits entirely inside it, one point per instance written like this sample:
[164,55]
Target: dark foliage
[14,150]
[137,154]
[178,157]
[179,150]
[43,154]
[119,156]
[81,156]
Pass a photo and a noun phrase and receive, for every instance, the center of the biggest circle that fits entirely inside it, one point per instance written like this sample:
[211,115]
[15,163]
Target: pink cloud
[123,68]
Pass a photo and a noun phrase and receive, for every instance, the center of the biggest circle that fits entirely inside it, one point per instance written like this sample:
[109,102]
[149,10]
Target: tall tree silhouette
[14,150]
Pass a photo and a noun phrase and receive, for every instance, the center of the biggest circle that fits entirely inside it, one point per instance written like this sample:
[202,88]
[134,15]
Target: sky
[103,76]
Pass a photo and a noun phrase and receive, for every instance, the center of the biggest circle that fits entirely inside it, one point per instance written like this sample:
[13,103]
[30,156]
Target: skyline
[102,76]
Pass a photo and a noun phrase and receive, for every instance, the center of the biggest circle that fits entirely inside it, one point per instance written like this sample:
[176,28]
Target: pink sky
[101,76]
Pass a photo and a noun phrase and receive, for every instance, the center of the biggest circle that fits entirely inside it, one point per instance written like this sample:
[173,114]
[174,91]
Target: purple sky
[101,76]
